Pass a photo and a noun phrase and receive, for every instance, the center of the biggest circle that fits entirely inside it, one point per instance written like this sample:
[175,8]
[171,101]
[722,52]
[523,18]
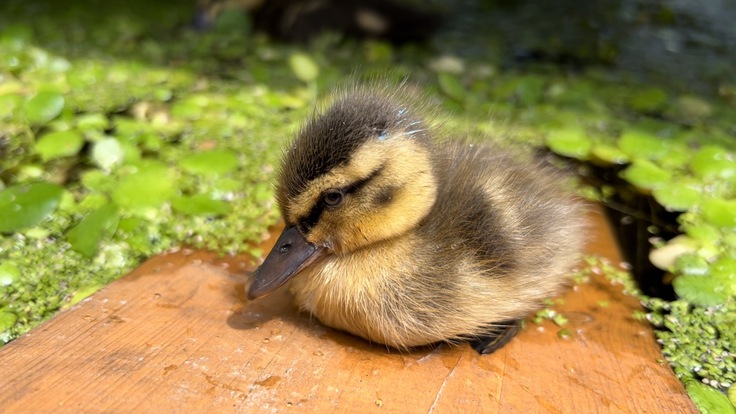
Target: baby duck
[407,240]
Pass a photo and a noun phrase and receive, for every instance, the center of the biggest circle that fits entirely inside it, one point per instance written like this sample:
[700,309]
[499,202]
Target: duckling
[405,239]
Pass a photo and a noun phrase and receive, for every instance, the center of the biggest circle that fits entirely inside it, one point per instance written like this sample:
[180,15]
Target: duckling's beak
[291,254]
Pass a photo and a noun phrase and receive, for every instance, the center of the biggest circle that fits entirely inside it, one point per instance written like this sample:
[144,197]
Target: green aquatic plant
[688,169]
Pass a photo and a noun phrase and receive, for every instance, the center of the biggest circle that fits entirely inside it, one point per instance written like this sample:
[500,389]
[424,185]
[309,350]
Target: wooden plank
[178,335]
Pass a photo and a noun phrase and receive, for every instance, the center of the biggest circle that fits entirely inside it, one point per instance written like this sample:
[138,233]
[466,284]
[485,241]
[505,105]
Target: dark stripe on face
[305,224]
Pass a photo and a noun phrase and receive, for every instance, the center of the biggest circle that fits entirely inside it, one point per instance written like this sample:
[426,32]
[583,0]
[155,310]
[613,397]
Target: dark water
[685,44]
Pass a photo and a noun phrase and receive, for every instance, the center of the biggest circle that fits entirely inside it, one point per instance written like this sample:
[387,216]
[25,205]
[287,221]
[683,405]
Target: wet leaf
[691,264]
[651,100]
[97,180]
[212,162]
[7,320]
[700,290]
[101,224]
[719,212]
[135,232]
[702,231]
[571,142]
[646,175]
[8,105]
[642,144]
[677,196]
[82,294]
[708,399]
[59,144]
[92,122]
[724,271]
[304,67]
[108,153]
[200,205]
[692,108]
[27,205]
[147,189]
[9,272]
[713,162]
[451,86]
[609,154]
[226,185]
[43,107]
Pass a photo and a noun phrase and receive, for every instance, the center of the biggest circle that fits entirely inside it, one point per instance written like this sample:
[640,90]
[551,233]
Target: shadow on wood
[178,335]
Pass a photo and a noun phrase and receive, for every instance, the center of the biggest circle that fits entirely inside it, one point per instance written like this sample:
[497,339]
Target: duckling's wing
[511,214]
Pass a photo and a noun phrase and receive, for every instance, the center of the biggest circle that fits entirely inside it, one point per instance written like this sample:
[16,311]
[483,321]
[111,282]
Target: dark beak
[291,254]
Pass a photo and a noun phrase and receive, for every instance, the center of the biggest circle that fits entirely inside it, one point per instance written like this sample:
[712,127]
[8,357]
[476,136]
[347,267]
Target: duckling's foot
[500,334]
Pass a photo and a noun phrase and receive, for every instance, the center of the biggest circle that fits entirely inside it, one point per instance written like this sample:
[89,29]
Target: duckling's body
[430,240]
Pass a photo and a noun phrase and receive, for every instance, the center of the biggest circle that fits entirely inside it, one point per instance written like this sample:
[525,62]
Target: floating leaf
[82,293]
[97,180]
[642,144]
[261,192]
[43,107]
[570,142]
[8,105]
[651,100]
[212,162]
[85,237]
[108,153]
[27,205]
[693,108]
[702,232]
[700,290]
[137,233]
[677,196]
[9,272]
[92,122]
[719,212]
[7,320]
[131,152]
[646,175]
[225,185]
[304,67]
[691,264]
[59,144]
[713,162]
[200,205]
[609,154]
[724,271]
[148,188]
[451,86]
[708,399]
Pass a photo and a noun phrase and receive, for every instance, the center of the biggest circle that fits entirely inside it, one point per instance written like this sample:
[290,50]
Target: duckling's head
[358,173]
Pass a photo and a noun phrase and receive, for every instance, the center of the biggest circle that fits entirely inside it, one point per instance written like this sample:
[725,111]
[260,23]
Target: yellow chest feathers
[362,293]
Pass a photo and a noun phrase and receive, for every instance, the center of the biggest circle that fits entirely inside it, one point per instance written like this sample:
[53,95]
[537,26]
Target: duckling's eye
[333,198]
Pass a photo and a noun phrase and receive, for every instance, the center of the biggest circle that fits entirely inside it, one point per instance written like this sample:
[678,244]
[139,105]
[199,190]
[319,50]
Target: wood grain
[178,335]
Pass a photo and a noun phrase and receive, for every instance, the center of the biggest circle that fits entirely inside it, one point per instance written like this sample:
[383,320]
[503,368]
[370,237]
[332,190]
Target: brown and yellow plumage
[406,239]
